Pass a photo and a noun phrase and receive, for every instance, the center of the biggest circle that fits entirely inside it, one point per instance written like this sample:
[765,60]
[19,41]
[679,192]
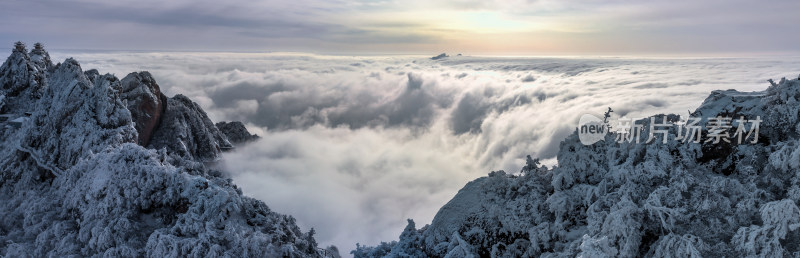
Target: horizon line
[601,55]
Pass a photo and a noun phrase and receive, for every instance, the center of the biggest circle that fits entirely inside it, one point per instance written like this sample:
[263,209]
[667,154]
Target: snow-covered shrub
[678,246]
[778,218]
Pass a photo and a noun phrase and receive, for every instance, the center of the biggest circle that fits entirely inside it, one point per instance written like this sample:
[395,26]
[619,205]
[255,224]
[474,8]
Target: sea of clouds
[353,146]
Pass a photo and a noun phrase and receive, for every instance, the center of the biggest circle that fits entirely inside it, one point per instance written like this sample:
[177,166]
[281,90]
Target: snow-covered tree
[623,199]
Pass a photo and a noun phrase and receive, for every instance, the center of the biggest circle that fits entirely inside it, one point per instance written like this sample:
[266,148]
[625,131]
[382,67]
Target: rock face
[236,132]
[145,101]
[611,199]
[185,130]
[73,183]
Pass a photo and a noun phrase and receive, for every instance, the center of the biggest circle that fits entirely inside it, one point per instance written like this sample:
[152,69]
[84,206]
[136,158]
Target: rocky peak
[145,101]
[236,132]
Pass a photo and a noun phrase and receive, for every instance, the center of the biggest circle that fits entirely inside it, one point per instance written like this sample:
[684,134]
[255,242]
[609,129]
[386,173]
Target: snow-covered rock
[73,183]
[185,130]
[75,118]
[612,199]
[236,132]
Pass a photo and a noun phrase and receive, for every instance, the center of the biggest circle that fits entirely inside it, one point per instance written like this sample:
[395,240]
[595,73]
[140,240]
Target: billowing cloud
[353,146]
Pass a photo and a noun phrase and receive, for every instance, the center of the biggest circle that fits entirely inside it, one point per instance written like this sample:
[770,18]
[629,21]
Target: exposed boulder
[236,132]
[185,130]
[145,101]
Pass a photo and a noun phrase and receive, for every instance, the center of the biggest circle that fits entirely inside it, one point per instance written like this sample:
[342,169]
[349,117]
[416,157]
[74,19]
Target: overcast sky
[409,26]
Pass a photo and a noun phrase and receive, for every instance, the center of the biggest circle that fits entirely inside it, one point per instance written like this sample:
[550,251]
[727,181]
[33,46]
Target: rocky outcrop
[185,130]
[236,132]
[145,101]
[440,56]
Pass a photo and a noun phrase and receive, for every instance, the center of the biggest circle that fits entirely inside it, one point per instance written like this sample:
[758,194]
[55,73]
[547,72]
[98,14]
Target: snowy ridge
[73,181]
[613,199]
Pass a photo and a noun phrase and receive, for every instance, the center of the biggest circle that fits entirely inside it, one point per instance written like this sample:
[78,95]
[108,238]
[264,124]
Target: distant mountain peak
[440,56]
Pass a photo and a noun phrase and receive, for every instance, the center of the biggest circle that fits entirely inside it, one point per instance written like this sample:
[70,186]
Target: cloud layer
[411,26]
[353,146]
